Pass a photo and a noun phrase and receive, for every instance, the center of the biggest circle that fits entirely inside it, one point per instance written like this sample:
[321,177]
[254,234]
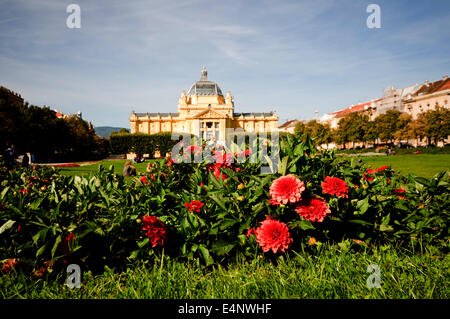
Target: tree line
[39,131]
[387,128]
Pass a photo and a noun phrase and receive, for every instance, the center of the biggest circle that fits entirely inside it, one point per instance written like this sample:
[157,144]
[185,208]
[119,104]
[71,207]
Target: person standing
[25,161]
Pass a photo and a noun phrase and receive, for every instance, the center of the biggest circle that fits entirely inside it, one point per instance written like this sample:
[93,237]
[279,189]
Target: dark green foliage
[141,143]
[37,130]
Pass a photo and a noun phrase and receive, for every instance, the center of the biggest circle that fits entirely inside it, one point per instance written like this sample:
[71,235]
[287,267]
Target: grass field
[89,169]
[328,272]
[421,165]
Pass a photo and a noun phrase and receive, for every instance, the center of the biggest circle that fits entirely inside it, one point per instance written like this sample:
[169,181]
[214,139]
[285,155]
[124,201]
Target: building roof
[354,108]
[253,114]
[157,114]
[205,87]
[445,86]
[433,87]
[288,124]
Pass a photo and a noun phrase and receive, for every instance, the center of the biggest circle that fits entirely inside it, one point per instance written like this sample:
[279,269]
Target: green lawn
[88,169]
[328,272]
[425,165]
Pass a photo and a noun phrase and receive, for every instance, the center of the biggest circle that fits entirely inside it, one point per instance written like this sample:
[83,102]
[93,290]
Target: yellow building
[204,112]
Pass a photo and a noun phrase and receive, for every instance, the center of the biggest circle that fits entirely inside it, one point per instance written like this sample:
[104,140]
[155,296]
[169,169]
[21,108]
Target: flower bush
[213,210]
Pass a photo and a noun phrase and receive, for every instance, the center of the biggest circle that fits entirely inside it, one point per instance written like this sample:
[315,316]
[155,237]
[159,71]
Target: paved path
[364,154]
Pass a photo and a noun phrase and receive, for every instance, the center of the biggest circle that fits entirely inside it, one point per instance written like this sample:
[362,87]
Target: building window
[208,130]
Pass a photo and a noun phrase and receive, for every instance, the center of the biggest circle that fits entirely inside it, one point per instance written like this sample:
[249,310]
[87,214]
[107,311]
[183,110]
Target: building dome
[205,87]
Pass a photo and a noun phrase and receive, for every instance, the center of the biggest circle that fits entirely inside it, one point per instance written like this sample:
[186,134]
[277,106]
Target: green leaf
[423,181]
[40,234]
[363,205]
[359,221]
[143,242]
[205,253]
[7,225]
[227,223]
[306,224]
[55,246]
[387,228]
[242,239]
[134,254]
[283,166]
[220,201]
[222,247]
[41,250]
[386,219]
[4,192]
[35,205]
[298,150]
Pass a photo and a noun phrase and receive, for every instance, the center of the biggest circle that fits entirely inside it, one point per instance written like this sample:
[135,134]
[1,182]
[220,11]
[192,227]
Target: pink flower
[286,189]
[335,186]
[313,209]
[273,235]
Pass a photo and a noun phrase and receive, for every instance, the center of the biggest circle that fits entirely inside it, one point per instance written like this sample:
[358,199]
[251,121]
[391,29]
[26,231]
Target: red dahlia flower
[369,179]
[144,180]
[156,230]
[335,186]
[273,235]
[194,205]
[313,209]
[286,189]
[399,190]
[382,168]
[9,265]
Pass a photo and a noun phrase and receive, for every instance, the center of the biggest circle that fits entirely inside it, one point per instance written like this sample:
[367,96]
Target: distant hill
[105,131]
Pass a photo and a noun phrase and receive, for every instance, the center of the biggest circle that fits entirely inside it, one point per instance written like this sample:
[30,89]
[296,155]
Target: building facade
[205,112]
[428,97]
[288,127]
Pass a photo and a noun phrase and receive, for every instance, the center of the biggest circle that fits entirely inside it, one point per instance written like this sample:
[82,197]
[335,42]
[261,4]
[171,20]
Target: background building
[205,112]
[428,97]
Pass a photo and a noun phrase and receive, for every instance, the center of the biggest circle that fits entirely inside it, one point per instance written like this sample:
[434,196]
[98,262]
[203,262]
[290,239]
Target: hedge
[141,143]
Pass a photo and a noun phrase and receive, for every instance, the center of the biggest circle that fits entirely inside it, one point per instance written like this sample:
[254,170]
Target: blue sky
[294,57]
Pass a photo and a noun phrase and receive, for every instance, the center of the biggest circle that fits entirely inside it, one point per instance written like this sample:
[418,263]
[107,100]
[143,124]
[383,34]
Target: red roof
[446,86]
[352,109]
